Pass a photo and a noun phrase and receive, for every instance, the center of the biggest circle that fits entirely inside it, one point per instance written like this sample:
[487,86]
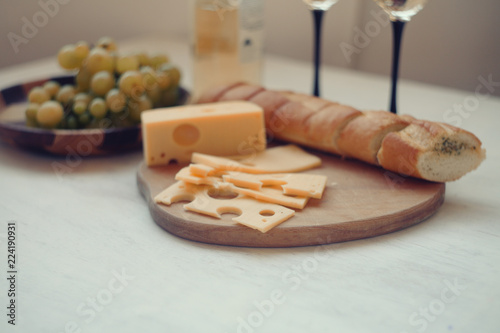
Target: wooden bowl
[83,142]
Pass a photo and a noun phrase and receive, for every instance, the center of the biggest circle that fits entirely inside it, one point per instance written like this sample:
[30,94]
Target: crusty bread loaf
[430,150]
[423,149]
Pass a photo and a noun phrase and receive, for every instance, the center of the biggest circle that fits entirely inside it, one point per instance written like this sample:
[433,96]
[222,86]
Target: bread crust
[242,92]
[405,152]
[269,101]
[398,155]
[325,126]
[308,101]
[362,137]
[402,144]
[215,93]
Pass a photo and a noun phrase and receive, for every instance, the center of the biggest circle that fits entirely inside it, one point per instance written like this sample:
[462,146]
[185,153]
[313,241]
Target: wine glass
[318,8]
[400,12]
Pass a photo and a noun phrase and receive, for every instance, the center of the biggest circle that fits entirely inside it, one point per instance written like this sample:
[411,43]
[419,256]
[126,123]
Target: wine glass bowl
[320,4]
[401,10]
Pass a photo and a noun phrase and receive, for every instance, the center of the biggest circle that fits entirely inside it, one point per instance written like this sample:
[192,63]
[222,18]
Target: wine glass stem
[397,27]
[318,18]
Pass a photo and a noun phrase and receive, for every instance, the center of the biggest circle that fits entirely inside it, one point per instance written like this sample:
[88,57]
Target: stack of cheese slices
[402,144]
[262,188]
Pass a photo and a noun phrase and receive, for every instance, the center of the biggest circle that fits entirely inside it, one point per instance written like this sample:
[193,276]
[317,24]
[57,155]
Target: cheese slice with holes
[299,184]
[252,213]
[221,129]
[289,158]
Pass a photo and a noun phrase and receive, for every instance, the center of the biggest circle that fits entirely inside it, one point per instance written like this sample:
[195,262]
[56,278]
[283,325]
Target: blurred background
[450,43]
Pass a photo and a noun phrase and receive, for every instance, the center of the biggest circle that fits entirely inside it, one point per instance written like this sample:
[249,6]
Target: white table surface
[91,259]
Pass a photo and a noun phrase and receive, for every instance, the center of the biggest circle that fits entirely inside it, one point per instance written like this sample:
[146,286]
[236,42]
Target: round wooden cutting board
[360,201]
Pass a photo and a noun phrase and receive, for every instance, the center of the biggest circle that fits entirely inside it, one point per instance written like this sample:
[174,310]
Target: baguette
[430,150]
[423,149]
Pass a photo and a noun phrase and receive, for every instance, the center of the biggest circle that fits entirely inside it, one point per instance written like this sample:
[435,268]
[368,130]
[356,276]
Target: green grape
[106,43]
[98,108]
[155,95]
[127,63]
[163,79]
[38,95]
[143,58]
[82,97]
[52,88]
[80,107]
[50,114]
[31,111]
[82,50]
[84,119]
[67,57]
[130,83]
[82,79]
[136,107]
[71,122]
[102,82]
[66,94]
[100,60]
[149,77]
[173,73]
[116,100]
[157,60]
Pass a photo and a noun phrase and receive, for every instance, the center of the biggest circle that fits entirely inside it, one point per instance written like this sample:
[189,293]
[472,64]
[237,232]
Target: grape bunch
[109,90]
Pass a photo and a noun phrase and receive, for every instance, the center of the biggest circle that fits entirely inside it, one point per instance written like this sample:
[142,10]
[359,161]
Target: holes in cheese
[222,193]
[266,213]
[255,214]
[186,135]
[221,129]
[261,200]
[289,158]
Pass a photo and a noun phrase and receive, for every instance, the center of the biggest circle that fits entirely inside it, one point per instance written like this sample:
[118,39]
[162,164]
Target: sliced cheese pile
[259,187]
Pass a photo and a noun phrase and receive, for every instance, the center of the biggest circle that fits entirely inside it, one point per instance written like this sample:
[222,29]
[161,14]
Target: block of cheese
[289,158]
[221,129]
[252,213]
[300,184]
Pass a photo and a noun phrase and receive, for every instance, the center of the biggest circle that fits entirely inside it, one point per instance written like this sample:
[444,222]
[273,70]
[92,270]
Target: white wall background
[450,43]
